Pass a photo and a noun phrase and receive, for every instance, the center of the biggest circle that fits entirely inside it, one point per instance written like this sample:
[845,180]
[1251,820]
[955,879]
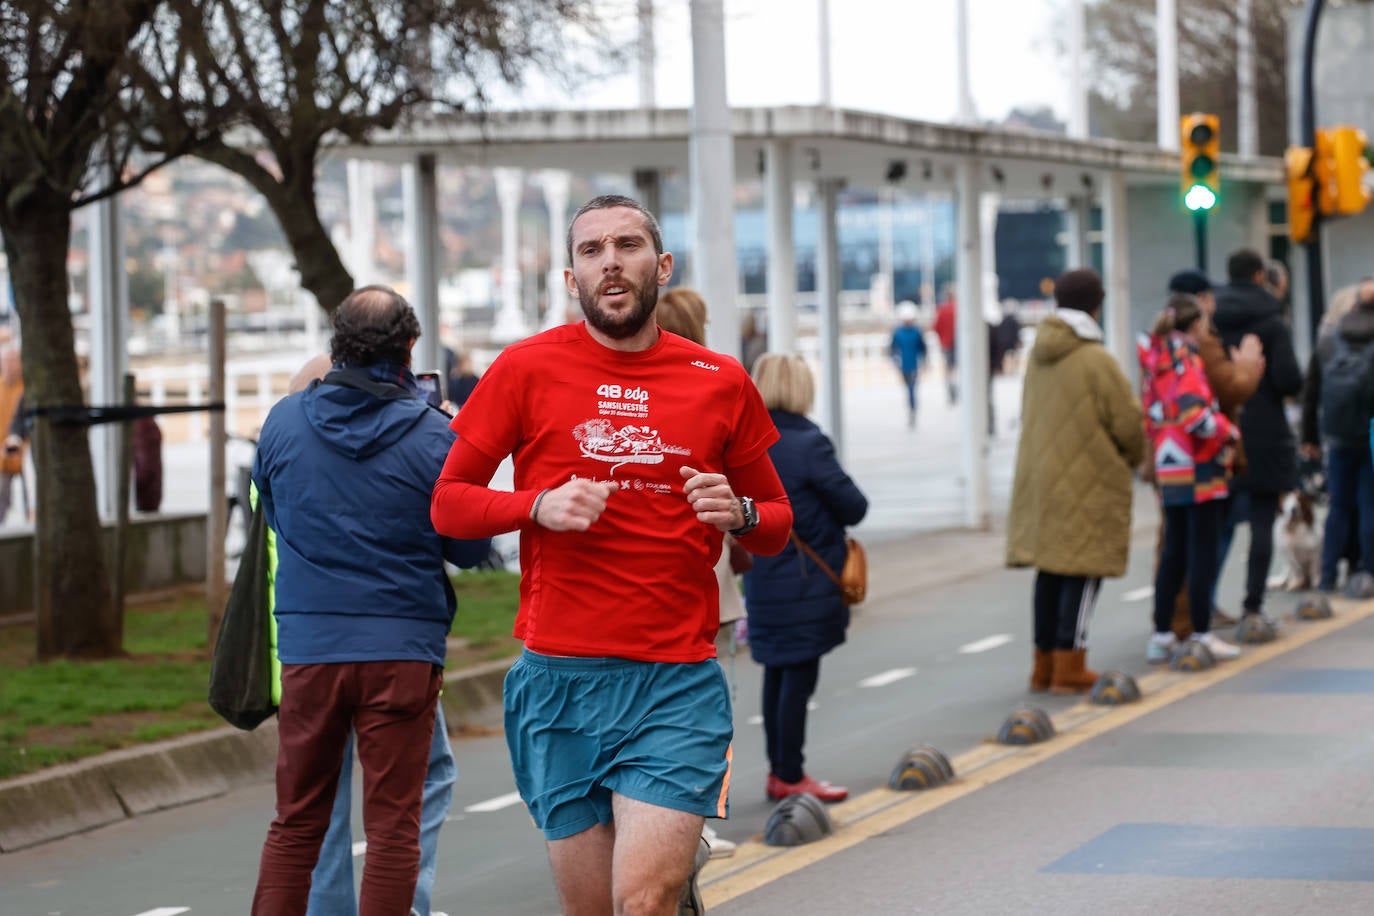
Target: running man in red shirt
[635,451]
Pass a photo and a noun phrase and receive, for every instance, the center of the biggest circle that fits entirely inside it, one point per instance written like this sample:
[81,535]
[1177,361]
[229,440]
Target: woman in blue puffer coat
[795,611]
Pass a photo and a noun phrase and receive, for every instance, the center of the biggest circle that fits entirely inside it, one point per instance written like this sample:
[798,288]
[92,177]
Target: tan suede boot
[1042,672]
[1069,674]
[1183,618]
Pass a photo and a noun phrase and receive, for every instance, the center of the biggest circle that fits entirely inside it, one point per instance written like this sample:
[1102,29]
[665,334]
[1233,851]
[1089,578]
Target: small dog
[1300,541]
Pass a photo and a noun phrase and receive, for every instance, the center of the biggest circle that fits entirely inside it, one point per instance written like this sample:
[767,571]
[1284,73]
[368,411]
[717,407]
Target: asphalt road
[942,665]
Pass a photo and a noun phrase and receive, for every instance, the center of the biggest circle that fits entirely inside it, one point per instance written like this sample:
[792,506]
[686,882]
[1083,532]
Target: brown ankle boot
[1042,672]
[1182,624]
[1069,674]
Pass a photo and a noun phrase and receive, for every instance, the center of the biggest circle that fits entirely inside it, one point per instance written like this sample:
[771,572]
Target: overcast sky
[890,56]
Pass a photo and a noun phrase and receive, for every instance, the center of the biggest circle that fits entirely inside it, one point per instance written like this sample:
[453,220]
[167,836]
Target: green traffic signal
[1200,197]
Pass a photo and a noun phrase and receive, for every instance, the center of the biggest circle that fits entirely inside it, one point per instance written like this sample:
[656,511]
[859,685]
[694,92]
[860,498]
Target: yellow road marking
[873,813]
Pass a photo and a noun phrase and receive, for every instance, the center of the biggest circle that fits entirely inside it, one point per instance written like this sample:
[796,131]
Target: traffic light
[1199,177]
[1326,191]
[1301,206]
[1349,165]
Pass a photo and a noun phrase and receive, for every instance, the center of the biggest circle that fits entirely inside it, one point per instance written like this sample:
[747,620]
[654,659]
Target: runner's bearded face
[616,271]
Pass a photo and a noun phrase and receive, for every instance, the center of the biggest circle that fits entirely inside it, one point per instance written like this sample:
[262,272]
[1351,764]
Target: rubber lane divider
[871,814]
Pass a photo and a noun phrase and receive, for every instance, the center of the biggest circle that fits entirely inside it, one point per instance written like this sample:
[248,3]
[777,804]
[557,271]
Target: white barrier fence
[254,384]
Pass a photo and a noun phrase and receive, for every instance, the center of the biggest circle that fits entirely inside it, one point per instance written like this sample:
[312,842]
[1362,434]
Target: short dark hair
[606,202]
[1080,290]
[1190,281]
[1242,266]
[375,324]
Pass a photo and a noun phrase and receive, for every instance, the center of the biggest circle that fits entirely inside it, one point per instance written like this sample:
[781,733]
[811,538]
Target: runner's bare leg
[581,867]
[655,849]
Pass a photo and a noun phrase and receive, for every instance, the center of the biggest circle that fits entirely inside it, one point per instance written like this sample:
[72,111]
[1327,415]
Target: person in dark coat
[795,611]
[1244,307]
[147,465]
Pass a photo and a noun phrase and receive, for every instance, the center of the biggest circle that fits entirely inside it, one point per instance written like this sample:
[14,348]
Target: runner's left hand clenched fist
[712,499]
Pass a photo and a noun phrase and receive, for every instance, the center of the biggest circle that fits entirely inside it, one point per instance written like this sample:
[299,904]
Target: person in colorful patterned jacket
[1193,444]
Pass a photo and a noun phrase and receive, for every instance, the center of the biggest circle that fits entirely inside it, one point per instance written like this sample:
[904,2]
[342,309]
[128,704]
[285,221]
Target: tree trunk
[322,270]
[290,193]
[76,615]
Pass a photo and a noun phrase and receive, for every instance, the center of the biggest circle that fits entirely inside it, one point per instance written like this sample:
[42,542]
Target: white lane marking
[755,720]
[167,911]
[1139,594]
[494,804]
[359,848]
[887,677]
[983,645]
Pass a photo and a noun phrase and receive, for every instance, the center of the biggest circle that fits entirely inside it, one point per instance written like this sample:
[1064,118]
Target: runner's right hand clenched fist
[574,506]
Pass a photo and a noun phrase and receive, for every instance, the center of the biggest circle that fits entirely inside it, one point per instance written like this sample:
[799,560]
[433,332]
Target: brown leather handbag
[853,579]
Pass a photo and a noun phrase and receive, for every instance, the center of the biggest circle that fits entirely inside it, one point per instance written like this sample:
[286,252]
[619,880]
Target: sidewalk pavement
[915,492]
[1240,790]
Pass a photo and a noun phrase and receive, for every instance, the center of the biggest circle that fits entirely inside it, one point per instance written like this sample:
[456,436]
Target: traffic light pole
[1316,288]
[1200,234]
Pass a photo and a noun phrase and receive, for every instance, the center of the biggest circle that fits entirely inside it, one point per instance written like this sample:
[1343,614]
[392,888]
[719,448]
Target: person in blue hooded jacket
[795,610]
[363,604]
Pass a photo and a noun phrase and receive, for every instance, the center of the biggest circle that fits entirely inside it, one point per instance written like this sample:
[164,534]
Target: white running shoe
[1221,649]
[1161,647]
[719,845]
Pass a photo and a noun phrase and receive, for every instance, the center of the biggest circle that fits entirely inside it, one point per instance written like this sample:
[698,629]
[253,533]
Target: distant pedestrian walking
[1081,440]
[945,319]
[796,614]
[908,350]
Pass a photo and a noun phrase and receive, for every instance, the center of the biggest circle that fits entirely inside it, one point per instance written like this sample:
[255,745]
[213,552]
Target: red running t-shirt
[640,583]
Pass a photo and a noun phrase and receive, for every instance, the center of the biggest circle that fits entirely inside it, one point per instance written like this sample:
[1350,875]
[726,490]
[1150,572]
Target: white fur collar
[1081,323]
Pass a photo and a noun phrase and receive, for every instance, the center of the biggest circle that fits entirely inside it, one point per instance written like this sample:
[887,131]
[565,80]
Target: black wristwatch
[751,517]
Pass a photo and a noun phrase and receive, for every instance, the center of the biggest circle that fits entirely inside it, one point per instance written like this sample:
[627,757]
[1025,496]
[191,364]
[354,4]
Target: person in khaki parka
[1082,436]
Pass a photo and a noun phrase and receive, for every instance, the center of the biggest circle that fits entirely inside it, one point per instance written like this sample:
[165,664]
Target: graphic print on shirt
[601,440]
[618,444]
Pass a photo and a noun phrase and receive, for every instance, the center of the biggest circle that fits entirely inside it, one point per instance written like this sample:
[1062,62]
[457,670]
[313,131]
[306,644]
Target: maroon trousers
[390,705]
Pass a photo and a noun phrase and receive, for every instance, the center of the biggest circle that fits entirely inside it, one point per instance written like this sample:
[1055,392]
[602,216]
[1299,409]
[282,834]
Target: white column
[828,306]
[1116,261]
[883,292]
[988,204]
[823,50]
[1166,40]
[555,184]
[928,291]
[647,92]
[510,320]
[971,341]
[782,258]
[109,356]
[171,303]
[1077,217]
[362,221]
[420,194]
[711,157]
[1247,105]
[1078,87]
[965,102]
[1258,226]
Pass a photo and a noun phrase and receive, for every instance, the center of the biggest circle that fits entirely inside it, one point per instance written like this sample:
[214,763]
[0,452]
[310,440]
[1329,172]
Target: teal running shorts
[580,729]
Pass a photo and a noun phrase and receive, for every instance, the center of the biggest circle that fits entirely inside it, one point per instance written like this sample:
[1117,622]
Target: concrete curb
[77,797]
